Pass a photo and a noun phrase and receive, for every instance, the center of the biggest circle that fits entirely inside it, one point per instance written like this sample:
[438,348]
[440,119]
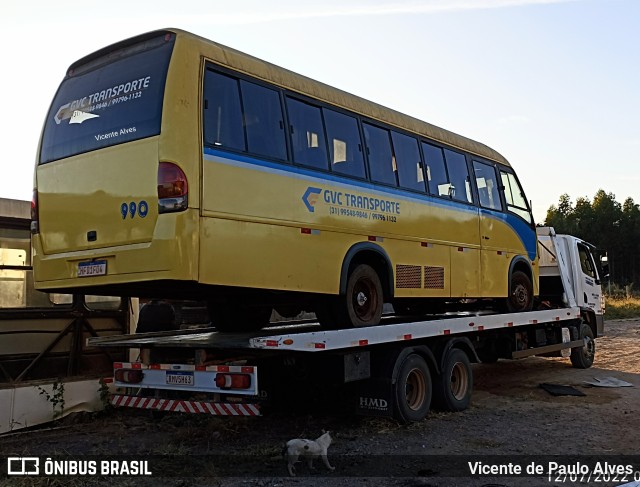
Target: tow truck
[400,368]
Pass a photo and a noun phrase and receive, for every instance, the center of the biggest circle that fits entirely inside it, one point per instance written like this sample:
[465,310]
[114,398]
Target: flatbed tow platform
[307,336]
[393,369]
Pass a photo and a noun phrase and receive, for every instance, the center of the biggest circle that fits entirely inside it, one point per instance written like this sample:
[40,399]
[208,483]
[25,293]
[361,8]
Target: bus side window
[307,134]
[222,112]
[263,121]
[458,176]
[487,184]
[382,164]
[410,171]
[345,147]
[437,178]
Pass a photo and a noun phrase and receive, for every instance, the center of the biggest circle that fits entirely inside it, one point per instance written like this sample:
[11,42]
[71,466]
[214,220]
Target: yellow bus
[171,166]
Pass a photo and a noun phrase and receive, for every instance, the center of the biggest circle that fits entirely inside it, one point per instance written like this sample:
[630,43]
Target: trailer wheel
[412,389]
[454,385]
[583,357]
[521,295]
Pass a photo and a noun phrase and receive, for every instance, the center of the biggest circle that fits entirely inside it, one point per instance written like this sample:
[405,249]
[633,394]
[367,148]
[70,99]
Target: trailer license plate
[93,268]
[180,378]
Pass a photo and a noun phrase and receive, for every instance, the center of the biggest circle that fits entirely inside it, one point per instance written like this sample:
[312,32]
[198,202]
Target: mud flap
[375,397]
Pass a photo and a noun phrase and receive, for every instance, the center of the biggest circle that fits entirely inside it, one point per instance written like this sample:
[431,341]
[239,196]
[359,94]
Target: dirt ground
[511,419]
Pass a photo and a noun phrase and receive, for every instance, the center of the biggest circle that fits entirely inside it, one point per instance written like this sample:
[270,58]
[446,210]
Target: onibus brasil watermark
[34,466]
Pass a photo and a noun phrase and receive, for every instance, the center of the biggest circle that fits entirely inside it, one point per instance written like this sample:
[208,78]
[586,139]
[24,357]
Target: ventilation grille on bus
[408,277]
[433,277]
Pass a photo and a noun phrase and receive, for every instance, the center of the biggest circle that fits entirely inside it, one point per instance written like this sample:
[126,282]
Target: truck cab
[569,276]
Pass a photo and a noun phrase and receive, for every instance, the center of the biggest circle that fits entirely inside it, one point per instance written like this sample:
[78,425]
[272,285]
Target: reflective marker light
[128,376]
[233,381]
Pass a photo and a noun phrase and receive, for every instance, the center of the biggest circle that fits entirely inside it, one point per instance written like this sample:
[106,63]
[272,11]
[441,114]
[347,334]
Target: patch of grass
[622,308]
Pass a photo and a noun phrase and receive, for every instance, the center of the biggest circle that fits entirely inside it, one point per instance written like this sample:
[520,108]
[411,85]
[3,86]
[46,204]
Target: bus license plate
[180,378]
[93,268]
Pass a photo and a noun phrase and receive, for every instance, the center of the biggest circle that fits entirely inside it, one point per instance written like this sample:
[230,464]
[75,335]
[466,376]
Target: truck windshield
[108,100]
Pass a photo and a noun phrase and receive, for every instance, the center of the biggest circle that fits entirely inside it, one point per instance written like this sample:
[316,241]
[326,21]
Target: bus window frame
[310,102]
[508,170]
[238,76]
[427,194]
[361,148]
[380,126]
[499,186]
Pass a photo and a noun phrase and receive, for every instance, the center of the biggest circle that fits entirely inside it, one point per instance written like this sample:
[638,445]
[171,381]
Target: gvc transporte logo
[310,198]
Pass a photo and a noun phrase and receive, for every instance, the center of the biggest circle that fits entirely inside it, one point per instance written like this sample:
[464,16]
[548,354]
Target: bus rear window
[113,99]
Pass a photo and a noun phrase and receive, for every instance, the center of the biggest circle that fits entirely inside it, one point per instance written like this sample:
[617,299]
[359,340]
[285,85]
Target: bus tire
[454,385]
[363,299]
[412,390]
[520,293]
[230,317]
[583,357]
[328,314]
[156,316]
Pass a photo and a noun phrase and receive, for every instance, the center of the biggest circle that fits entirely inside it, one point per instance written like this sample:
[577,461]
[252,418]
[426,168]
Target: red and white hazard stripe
[180,406]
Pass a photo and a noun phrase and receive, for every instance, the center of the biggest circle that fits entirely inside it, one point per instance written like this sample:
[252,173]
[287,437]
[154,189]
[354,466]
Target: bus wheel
[231,317]
[156,315]
[412,390]
[521,296]
[454,385]
[583,357]
[364,297]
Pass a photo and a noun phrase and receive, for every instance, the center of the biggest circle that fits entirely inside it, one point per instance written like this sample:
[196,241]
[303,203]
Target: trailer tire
[412,389]
[520,293]
[583,357]
[454,385]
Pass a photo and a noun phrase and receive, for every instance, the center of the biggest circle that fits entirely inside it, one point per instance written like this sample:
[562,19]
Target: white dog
[308,449]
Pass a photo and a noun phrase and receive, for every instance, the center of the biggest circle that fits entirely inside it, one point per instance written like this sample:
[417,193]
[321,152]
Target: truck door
[588,290]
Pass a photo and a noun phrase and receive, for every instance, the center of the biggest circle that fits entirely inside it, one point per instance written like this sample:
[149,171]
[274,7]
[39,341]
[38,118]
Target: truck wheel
[412,390]
[583,357]
[453,387]
[232,317]
[521,296]
[364,297]
[488,354]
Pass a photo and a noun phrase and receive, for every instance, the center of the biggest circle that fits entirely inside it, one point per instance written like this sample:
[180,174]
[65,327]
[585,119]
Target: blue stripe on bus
[526,234]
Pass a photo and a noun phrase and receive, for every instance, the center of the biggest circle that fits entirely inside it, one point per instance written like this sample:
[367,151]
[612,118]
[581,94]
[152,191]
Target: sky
[553,85]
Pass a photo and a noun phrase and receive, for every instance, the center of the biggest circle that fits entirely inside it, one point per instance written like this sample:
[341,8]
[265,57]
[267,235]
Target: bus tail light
[173,189]
[233,381]
[35,216]
[128,376]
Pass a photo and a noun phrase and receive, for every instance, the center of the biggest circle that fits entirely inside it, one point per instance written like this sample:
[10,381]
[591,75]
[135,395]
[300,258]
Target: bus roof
[247,64]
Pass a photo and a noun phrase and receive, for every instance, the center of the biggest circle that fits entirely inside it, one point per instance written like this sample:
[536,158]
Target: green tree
[561,217]
[630,240]
[610,226]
